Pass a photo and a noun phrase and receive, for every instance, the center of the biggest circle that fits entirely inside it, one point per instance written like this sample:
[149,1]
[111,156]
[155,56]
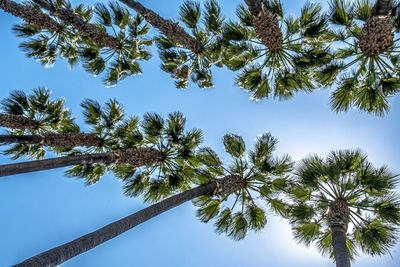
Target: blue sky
[45,209]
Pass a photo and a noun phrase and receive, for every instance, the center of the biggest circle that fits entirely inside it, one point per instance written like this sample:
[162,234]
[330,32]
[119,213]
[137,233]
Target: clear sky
[45,209]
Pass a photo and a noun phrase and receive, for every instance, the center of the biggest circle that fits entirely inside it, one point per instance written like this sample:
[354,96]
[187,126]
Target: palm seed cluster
[342,203]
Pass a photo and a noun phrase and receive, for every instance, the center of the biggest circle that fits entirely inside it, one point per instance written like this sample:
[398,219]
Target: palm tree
[183,64]
[269,48]
[95,56]
[263,178]
[119,132]
[31,15]
[343,204]
[87,29]
[170,29]
[210,187]
[364,73]
[37,115]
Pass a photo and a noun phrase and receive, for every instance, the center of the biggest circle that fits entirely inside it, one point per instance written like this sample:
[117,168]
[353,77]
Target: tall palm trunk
[89,30]
[339,216]
[136,157]
[170,29]
[69,250]
[377,34]
[66,140]
[31,15]
[17,122]
[266,25]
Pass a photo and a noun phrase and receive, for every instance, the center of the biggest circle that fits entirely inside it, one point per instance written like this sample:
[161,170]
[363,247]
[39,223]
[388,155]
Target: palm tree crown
[120,133]
[182,63]
[261,177]
[270,69]
[364,72]
[52,116]
[344,193]
[96,58]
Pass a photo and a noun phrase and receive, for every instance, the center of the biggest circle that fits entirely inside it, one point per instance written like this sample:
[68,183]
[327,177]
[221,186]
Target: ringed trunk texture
[31,15]
[80,245]
[266,25]
[377,34]
[136,157]
[87,29]
[17,122]
[170,29]
[66,140]
[338,217]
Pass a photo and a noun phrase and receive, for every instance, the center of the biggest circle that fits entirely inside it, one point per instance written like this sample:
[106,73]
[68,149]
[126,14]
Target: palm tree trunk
[266,25]
[66,140]
[340,248]
[17,122]
[170,29]
[31,15]
[21,139]
[254,6]
[136,157]
[338,217]
[89,30]
[382,8]
[80,245]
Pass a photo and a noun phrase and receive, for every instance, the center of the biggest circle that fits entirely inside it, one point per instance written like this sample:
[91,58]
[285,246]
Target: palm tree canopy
[52,115]
[206,27]
[129,29]
[367,191]
[364,73]
[121,132]
[264,176]
[276,72]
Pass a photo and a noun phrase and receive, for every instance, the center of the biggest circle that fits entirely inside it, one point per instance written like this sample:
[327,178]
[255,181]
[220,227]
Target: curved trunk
[66,140]
[338,217]
[170,29]
[31,15]
[17,122]
[136,157]
[87,29]
[266,25]
[60,254]
[382,8]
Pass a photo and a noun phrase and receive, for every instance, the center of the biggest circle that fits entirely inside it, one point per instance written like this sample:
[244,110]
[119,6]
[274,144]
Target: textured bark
[71,140]
[31,15]
[338,217]
[170,29]
[89,30]
[382,8]
[142,156]
[229,184]
[67,140]
[136,157]
[17,122]
[80,245]
[377,34]
[266,25]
